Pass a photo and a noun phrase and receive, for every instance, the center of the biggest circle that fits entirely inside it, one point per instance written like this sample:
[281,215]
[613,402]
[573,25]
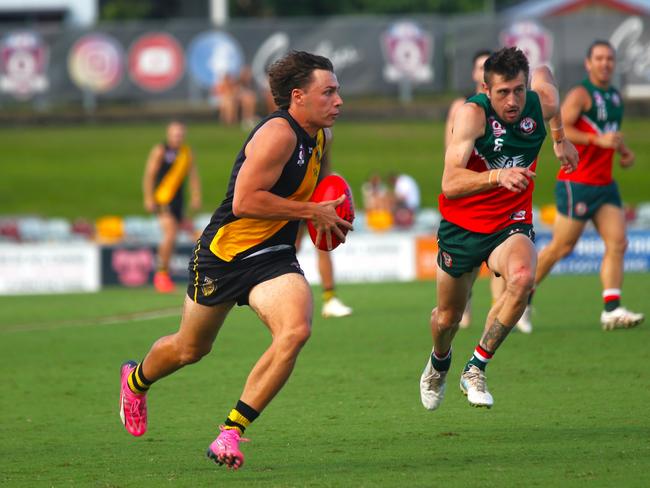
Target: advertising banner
[365,258]
[587,256]
[133,266]
[48,268]
[370,257]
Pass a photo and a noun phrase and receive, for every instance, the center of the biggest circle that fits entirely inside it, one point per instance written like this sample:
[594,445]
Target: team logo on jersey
[598,98]
[528,125]
[170,156]
[301,155]
[497,129]
[518,215]
[580,209]
[446,258]
[616,100]
[208,287]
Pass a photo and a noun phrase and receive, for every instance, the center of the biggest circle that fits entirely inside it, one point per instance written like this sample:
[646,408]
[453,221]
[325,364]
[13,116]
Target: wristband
[490,176]
[498,173]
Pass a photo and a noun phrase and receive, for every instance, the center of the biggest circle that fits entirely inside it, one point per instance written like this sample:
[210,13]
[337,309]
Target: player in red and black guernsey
[486,203]
[246,254]
[169,165]
[592,114]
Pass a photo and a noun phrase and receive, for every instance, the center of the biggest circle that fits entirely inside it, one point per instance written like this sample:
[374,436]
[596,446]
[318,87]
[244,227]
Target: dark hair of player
[507,62]
[599,42]
[294,70]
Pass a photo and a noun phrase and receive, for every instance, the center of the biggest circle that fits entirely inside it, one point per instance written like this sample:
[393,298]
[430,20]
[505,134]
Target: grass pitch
[571,401]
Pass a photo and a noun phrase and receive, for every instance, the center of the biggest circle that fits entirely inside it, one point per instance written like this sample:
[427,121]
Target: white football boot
[335,308]
[432,386]
[620,318]
[472,383]
[525,324]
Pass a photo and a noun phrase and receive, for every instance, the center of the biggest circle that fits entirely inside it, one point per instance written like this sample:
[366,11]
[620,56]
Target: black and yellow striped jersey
[171,175]
[231,238]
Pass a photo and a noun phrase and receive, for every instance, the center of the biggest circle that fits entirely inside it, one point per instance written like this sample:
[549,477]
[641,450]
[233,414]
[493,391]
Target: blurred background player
[592,114]
[168,166]
[478,63]
[497,284]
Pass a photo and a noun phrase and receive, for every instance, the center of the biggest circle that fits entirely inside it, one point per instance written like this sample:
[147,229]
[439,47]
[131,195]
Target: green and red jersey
[605,115]
[502,146]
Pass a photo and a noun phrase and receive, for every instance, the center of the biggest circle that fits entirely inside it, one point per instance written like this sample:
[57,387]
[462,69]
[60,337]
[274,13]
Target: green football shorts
[581,202]
[461,251]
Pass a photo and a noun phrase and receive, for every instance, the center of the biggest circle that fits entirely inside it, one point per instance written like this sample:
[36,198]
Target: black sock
[137,381]
[241,417]
[442,362]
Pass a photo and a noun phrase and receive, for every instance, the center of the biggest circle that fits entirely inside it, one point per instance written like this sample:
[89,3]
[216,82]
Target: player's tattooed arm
[494,336]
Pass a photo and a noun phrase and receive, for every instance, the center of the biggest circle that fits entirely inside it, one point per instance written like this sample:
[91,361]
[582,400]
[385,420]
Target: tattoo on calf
[494,336]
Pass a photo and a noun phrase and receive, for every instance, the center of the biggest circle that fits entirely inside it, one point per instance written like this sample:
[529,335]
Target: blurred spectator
[377,202]
[406,199]
[237,99]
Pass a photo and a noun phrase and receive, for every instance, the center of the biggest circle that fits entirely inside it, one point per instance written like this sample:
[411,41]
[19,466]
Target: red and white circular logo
[156,62]
[528,125]
[580,209]
[447,259]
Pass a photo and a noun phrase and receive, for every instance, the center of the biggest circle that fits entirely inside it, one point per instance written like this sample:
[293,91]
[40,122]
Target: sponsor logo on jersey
[497,129]
[518,215]
[528,125]
[301,155]
[616,100]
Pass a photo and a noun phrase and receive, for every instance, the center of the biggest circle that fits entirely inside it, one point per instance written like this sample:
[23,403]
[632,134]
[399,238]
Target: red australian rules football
[330,188]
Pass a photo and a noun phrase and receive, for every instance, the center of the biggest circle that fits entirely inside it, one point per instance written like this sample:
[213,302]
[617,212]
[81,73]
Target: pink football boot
[225,448]
[133,407]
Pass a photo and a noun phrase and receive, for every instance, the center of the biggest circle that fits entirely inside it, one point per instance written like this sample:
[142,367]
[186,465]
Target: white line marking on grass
[92,321]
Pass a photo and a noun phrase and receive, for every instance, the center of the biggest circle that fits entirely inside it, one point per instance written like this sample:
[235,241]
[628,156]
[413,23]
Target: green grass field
[571,401]
[89,171]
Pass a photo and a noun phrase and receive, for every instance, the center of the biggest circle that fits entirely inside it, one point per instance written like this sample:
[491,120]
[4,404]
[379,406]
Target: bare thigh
[514,254]
[283,302]
[453,293]
[610,223]
[200,324]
